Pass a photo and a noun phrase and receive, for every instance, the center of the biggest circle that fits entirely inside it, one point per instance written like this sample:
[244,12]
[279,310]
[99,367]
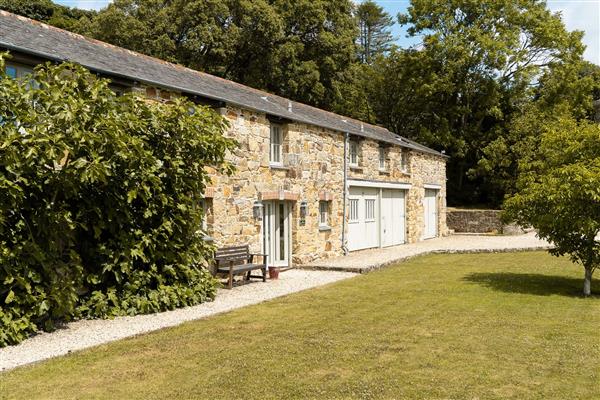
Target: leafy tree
[558,191]
[474,70]
[564,88]
[48,12]
[100,210]
[375,37]
[40,10]
[301,49]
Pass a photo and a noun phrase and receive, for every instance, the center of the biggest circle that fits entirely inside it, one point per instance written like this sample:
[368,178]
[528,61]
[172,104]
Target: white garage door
[393,227]
[431,214]
[363,226]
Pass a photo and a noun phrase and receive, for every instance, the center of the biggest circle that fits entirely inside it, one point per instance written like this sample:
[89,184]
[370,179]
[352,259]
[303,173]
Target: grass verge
[472,326]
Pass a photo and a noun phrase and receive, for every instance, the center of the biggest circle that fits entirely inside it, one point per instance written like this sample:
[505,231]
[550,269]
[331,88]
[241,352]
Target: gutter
[345,193]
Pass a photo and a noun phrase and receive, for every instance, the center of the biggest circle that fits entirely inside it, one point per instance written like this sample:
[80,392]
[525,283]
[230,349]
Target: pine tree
[375,36]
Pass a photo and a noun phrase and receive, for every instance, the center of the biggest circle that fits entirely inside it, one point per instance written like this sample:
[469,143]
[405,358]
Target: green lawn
[485,326]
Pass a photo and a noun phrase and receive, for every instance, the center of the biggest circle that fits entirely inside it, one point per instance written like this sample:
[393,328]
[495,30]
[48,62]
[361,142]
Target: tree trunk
[587,282]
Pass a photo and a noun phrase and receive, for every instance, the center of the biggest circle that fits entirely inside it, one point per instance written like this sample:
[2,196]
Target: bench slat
[241,268]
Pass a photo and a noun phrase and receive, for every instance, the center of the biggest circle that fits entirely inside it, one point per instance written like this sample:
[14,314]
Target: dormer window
[382,158]
[276,157]
[353,153]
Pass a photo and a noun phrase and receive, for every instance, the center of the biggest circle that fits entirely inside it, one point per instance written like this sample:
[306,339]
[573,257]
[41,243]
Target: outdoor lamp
[303,209]
[257,210]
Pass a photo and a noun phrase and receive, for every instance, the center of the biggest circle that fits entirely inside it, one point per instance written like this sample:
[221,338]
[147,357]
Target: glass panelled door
[276,233]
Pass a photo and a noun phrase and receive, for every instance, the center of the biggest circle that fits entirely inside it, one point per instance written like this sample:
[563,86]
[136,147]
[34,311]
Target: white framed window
[206,205]
[353,217]
[404,161]
[370,210]
[324,214]
[382,158]
[276,156]
[353,153]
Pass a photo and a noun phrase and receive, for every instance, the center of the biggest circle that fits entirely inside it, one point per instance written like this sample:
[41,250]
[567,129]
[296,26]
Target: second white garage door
[376,218]
[393,227]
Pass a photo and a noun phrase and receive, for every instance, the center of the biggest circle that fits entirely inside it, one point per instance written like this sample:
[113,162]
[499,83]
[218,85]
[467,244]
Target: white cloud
[583,15]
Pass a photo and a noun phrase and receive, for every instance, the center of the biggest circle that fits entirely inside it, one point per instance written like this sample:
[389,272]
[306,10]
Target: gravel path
[368,260]
[87,333]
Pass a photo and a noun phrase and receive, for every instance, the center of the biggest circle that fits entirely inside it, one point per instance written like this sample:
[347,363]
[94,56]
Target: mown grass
[485,326]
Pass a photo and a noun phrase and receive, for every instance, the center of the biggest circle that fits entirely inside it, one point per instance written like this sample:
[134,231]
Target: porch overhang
[281,195]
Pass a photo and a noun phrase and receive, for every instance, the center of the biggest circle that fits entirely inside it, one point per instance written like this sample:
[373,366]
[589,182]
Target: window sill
[280,167]
[324,228]
[384,172]
[356,168]
[208,239]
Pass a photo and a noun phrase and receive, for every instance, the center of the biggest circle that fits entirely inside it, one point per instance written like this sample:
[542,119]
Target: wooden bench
[238,260]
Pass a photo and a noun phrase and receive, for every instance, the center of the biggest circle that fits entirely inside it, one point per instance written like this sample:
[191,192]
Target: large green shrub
[99,200]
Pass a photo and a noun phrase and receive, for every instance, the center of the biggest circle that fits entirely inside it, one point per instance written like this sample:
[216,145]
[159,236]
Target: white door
[363,218]
[393,225]
[276,233]
[431,214]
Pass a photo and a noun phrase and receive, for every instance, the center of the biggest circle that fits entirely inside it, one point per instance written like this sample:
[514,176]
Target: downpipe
[345,193]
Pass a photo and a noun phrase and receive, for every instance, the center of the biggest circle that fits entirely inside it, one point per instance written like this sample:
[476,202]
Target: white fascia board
[379,185]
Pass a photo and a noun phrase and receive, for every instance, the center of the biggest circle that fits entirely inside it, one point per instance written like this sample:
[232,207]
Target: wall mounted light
[303,209]
[303,212]
[257,210]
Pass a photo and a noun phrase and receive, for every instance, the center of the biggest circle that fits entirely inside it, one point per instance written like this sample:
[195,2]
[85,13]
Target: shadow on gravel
[535,284]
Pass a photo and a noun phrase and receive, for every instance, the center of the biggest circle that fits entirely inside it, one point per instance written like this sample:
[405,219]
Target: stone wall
[474,221]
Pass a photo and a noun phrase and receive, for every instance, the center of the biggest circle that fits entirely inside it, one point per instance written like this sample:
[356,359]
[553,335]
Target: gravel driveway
[368,260]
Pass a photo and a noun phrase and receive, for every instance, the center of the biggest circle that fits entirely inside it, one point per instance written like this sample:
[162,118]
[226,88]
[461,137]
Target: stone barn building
[308,183]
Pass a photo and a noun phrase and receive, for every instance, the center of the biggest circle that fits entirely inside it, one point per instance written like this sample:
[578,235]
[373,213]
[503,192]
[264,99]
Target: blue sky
[578,14]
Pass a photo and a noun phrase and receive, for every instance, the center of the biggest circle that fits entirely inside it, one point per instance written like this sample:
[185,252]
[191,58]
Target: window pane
[23,72]
[276,141]
[281,232]
[11,71]
[370,209]
[353,210]
[404,161]
[353,152]
[323,211]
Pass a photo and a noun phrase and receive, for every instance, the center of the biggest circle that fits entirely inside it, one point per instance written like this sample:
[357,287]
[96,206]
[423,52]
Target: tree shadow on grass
[536,284]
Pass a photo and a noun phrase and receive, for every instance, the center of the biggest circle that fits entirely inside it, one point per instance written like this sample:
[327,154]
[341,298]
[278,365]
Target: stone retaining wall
[474,221]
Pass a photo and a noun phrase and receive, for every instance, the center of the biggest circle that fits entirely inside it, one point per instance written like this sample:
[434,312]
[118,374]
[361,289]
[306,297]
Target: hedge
[100,200]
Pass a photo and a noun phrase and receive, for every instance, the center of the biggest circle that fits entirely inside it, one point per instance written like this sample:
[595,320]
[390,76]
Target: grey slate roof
[31,37]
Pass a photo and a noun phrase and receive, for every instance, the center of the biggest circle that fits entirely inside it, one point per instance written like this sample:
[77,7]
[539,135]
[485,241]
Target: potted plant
[273,272]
